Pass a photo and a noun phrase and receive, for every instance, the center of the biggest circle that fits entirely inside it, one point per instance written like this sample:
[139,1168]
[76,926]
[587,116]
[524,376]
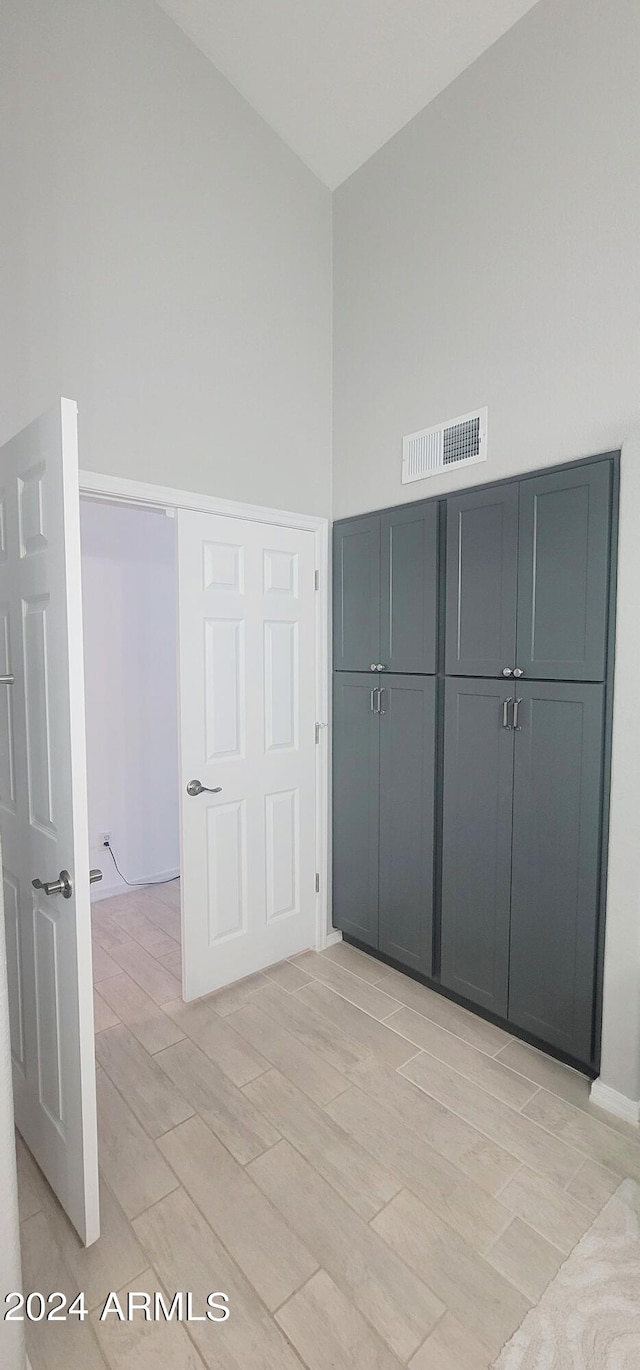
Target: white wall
[130,604]
[489,254]
[164,259]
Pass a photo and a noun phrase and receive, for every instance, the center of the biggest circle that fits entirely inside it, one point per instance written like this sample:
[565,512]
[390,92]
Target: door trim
[101,486]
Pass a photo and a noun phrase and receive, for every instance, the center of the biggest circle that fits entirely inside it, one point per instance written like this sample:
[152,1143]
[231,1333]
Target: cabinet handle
[372,701]
[505,712]
[380,709]
[506,670]
[379,667]
[373,666]
[517,672]
[516,726]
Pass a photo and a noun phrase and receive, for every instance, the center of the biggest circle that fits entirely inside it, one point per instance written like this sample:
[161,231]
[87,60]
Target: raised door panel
[356,783]
[409,589]
[556,863]
[407,776]
[356,594]
[477,813]
[563,574]
[482,547]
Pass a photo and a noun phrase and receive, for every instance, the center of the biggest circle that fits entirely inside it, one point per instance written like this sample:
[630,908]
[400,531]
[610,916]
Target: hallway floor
[374,1176]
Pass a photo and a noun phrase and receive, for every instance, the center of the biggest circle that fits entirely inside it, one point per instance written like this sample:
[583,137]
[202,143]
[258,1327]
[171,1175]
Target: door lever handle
[195,787]
[61,886]
[505,712]
[517,727]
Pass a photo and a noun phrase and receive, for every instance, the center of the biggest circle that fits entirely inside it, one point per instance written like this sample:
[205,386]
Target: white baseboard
[330,939]
[107,888]
[614,1102]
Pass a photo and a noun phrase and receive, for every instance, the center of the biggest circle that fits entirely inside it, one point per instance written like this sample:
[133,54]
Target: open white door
[247,709]
[43,810]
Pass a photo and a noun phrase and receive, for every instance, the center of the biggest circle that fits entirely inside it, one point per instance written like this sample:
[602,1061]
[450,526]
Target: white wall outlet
[104,839]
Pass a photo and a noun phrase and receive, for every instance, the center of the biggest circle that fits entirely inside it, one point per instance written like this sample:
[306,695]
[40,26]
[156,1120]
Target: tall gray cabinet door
[563,574]
[356,594]
[477,814]
[482,556]
[407,774]
[356,782]
[555,876]
[409,589]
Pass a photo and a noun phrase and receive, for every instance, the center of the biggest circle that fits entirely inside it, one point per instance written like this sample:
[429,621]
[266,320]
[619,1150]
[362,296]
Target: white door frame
[99,486]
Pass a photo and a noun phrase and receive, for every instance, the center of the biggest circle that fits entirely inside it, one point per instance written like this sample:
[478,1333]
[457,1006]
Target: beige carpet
[589,1316]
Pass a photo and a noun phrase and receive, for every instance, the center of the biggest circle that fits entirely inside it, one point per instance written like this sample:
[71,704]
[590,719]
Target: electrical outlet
[104,839]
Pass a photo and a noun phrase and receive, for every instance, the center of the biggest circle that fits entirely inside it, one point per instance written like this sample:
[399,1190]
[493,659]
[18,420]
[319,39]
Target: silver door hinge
[317,882]
[317,580]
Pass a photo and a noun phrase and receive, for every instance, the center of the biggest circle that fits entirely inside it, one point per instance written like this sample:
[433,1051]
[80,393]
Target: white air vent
[462,442]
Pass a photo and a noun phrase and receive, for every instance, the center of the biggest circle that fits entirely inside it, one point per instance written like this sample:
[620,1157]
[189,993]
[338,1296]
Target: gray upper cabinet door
[563,574]
[482,556]
[407,774]
[409,589]
[556,863]
[477,817]
[356,594]
[356,785]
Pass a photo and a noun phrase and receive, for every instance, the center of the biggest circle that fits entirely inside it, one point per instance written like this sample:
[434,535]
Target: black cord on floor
[133,884]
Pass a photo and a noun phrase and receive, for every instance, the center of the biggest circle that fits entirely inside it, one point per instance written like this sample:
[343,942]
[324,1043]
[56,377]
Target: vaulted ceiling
[337,78]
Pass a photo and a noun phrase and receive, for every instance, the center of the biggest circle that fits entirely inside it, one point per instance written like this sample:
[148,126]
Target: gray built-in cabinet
[472,702]
[385,586]
[527,583]
[384,759]
[477,805]
[521,836]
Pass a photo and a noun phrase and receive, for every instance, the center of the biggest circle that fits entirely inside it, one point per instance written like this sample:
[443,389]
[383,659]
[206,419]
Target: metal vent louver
[461,442]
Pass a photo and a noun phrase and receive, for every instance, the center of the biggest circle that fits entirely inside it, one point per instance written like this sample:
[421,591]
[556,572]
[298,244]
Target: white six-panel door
[43,810]
[247,708]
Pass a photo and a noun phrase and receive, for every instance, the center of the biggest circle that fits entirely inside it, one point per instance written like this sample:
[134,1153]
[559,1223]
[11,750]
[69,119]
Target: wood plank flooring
[373,1175]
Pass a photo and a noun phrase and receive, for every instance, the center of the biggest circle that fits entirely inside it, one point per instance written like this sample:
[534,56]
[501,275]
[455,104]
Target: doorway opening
[129,578]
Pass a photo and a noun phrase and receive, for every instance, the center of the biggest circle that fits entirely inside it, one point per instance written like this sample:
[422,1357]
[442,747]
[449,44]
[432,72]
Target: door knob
[195,787]
[94,877]
[506,670]
[61,886]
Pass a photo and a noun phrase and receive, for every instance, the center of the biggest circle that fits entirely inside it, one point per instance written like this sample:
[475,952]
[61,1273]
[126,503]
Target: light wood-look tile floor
[373,1175]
